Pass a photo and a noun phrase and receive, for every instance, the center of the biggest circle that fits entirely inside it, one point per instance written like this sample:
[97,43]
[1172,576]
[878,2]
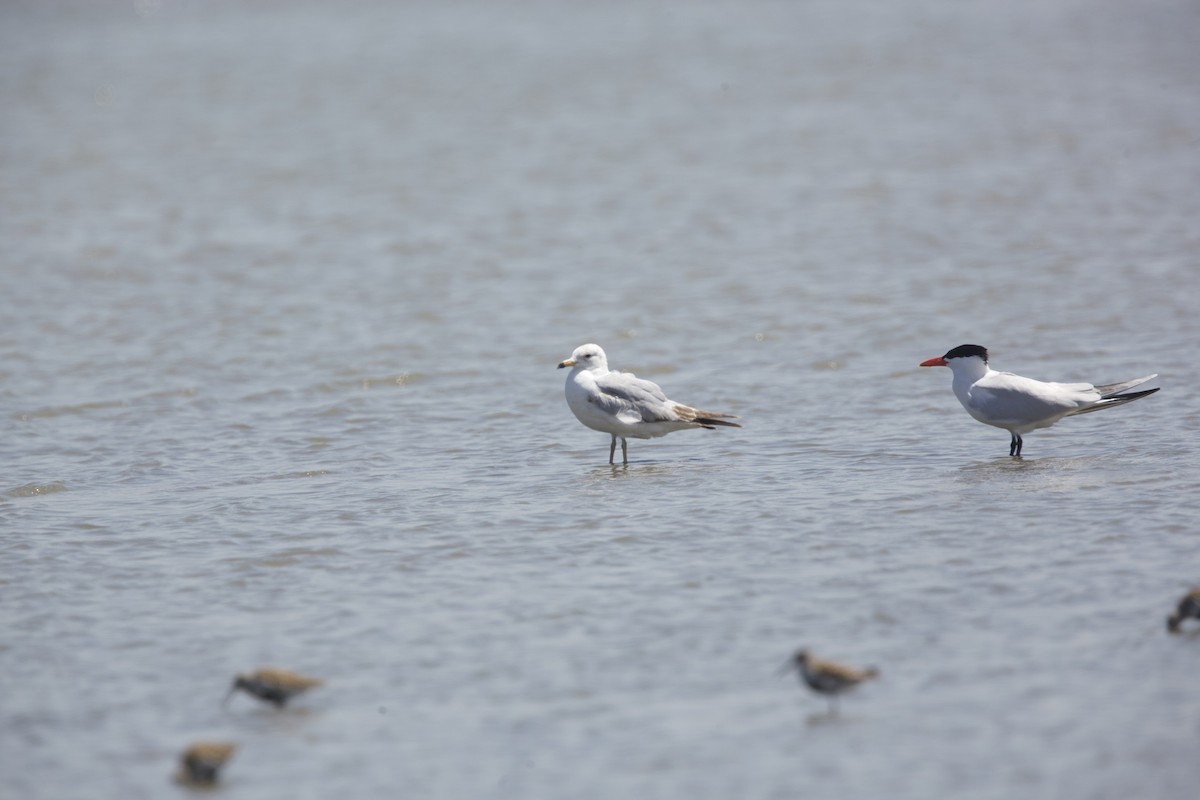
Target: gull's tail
[705,419]
[1110,394]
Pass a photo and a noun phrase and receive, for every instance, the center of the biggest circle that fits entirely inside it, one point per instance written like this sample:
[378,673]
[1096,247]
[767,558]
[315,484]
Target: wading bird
[829,677]
[1189,606]
[1020,405]
[201,763]
[273,685]
[625,406]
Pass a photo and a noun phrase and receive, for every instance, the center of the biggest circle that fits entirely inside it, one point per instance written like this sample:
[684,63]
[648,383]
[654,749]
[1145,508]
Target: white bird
[623,405]
[1020,405]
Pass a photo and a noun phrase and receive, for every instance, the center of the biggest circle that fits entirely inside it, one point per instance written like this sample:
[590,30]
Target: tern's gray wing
[624,394]
[1002,404]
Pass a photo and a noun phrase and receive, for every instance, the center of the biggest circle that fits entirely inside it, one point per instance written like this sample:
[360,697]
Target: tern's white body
[625,406]
[1015,403]
[1020,405]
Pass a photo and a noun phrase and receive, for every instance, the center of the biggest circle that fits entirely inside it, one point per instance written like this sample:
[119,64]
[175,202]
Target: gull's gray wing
[624,394]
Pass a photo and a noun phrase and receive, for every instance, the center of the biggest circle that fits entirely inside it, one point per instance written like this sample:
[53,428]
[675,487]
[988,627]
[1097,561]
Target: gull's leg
[624,450]
[1014,447]
[612,448]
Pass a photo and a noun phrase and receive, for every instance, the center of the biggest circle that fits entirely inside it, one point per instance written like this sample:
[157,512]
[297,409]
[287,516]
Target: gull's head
[586,356]
[960,356]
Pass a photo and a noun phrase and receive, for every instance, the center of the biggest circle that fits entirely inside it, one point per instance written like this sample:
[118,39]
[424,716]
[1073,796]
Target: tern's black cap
[966,351]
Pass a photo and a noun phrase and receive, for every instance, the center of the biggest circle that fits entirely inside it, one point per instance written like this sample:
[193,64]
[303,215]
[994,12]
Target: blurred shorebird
[829,677]
[201,762]
[1189,606]
[273,685]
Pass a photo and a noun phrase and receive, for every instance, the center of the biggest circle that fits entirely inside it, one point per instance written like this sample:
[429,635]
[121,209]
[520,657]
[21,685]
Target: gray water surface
[284,287]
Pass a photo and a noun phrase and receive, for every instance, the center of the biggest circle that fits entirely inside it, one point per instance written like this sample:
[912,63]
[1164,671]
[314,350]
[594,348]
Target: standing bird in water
[200,764]
[1020,405]
[829,677]
[1189,606]
[624,406]
[273,685]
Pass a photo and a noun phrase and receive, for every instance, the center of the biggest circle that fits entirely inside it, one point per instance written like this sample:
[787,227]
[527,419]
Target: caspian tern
[1020,405]
[620,404]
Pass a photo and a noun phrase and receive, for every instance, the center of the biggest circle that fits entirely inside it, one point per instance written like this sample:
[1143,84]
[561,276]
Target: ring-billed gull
[623,405]
[1020,405]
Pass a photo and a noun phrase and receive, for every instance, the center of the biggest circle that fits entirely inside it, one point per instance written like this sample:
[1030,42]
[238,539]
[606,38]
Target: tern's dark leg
[612,448]
[624,450]
[1014,449]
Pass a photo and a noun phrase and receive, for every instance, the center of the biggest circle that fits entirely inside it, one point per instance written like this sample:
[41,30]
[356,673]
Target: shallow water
[285,286]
